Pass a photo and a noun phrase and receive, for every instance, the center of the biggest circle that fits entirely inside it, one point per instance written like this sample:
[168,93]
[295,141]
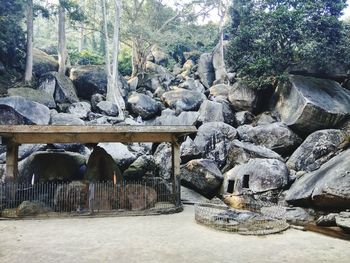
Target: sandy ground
[166,238]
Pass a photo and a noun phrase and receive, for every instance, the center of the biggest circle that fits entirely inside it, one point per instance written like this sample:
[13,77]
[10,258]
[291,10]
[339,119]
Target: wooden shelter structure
[14,135]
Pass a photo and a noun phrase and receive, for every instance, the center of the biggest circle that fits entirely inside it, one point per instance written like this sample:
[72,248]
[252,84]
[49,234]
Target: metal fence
[151,196]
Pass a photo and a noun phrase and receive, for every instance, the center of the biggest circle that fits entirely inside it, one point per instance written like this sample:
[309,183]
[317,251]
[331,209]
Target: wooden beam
[11,162]
[176,174]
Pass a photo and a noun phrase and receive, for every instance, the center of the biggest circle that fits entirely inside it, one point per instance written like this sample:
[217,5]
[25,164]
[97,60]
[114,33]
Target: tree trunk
[62,49]
[113,90]
[29,56]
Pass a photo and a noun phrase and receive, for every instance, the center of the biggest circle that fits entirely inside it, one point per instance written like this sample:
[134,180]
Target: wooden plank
[175,146]
[11,162]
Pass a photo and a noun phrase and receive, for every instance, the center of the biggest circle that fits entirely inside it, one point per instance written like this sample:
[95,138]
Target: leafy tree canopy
[270,36]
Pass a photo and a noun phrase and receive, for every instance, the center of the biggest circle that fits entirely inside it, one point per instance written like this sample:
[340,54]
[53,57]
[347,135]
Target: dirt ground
[166,238]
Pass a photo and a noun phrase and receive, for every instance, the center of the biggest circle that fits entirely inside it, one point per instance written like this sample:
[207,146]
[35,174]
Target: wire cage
[258,218]
[142,197]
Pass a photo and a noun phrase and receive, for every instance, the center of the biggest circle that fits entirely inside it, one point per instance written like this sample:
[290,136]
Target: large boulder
[317,149]
[108,108]
[143,105]
[189,151]
[193,85]
[38,96]
[143,166]
[183,100]
[169,117]
[58,86]
[276,136]
[258,175]
[65,119]
[211,111]
[212,133]
[80,109]
[222,90]
[308,104]
[241,152]
[24,150]
[120,153]
[43,63]
[243,98]
[163,160]
[90,80]
[327,187]
[51,166]
[17,110]
[27,208]
[219,62]
[203,176]
[206,70]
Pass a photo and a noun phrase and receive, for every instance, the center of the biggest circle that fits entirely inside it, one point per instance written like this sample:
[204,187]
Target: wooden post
[175,146]
[11,162]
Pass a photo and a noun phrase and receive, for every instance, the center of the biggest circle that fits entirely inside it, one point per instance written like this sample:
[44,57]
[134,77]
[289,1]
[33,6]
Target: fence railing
[79,197]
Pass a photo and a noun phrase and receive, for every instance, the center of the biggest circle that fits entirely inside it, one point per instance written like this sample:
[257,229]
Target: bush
[125,64]
[85,57]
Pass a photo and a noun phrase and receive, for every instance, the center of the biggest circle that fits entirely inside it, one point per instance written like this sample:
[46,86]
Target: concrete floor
[166,238]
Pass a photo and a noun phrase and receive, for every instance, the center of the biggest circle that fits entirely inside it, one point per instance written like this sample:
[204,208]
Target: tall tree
[270,36]
[62,46]
[114,93]
[29,50]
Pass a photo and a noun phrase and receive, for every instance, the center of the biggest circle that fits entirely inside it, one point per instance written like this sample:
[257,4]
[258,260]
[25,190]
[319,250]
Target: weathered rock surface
[27,208]
[185,118]
[38,96]
[65,119]
[327,187]
[211,112]
[212,133]
[258,175]
[183,100]
[163,160]
[80,109]
[72,197]
[191,84]
[60,87]
[343,221]
[51,166]
[43,63]
[317,149]
[17,110]
[276,136]
[220,90]
[241,152]
[107,108]
[189,151]
[24,150]
[242,97]
[90,80]
[139,197]
[143,105]
[206,70]
[203,176]
[144,165]
[308,104]
[243,118]
[120,153]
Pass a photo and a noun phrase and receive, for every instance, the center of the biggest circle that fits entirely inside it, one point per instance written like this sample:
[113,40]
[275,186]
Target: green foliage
[269,36]
[85,57]
[12,39]
[124,60]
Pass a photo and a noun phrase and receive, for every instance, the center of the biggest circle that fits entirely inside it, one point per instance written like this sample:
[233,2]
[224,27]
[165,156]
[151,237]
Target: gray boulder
[143,166]
[90,80]
[206,70]
[191,84]
[65,119]
[267,117]
[27,208]
[168,117]
[308,104]
[38,96]
[80,109]
[211,133]
[189,151]
[43,63]
[163,160]
[228,113]
[58,86]
[51,166]
[242,97]
[96,99]
[243,118]
[327,187]
[241,152]
[17,110]
[317,149]
[258,175]
[343,221]
[203,176]
[107,108]
[143,105]
[120,153]
[211,112]
[276,136]
[183,100]
[24,150]
[222,90]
